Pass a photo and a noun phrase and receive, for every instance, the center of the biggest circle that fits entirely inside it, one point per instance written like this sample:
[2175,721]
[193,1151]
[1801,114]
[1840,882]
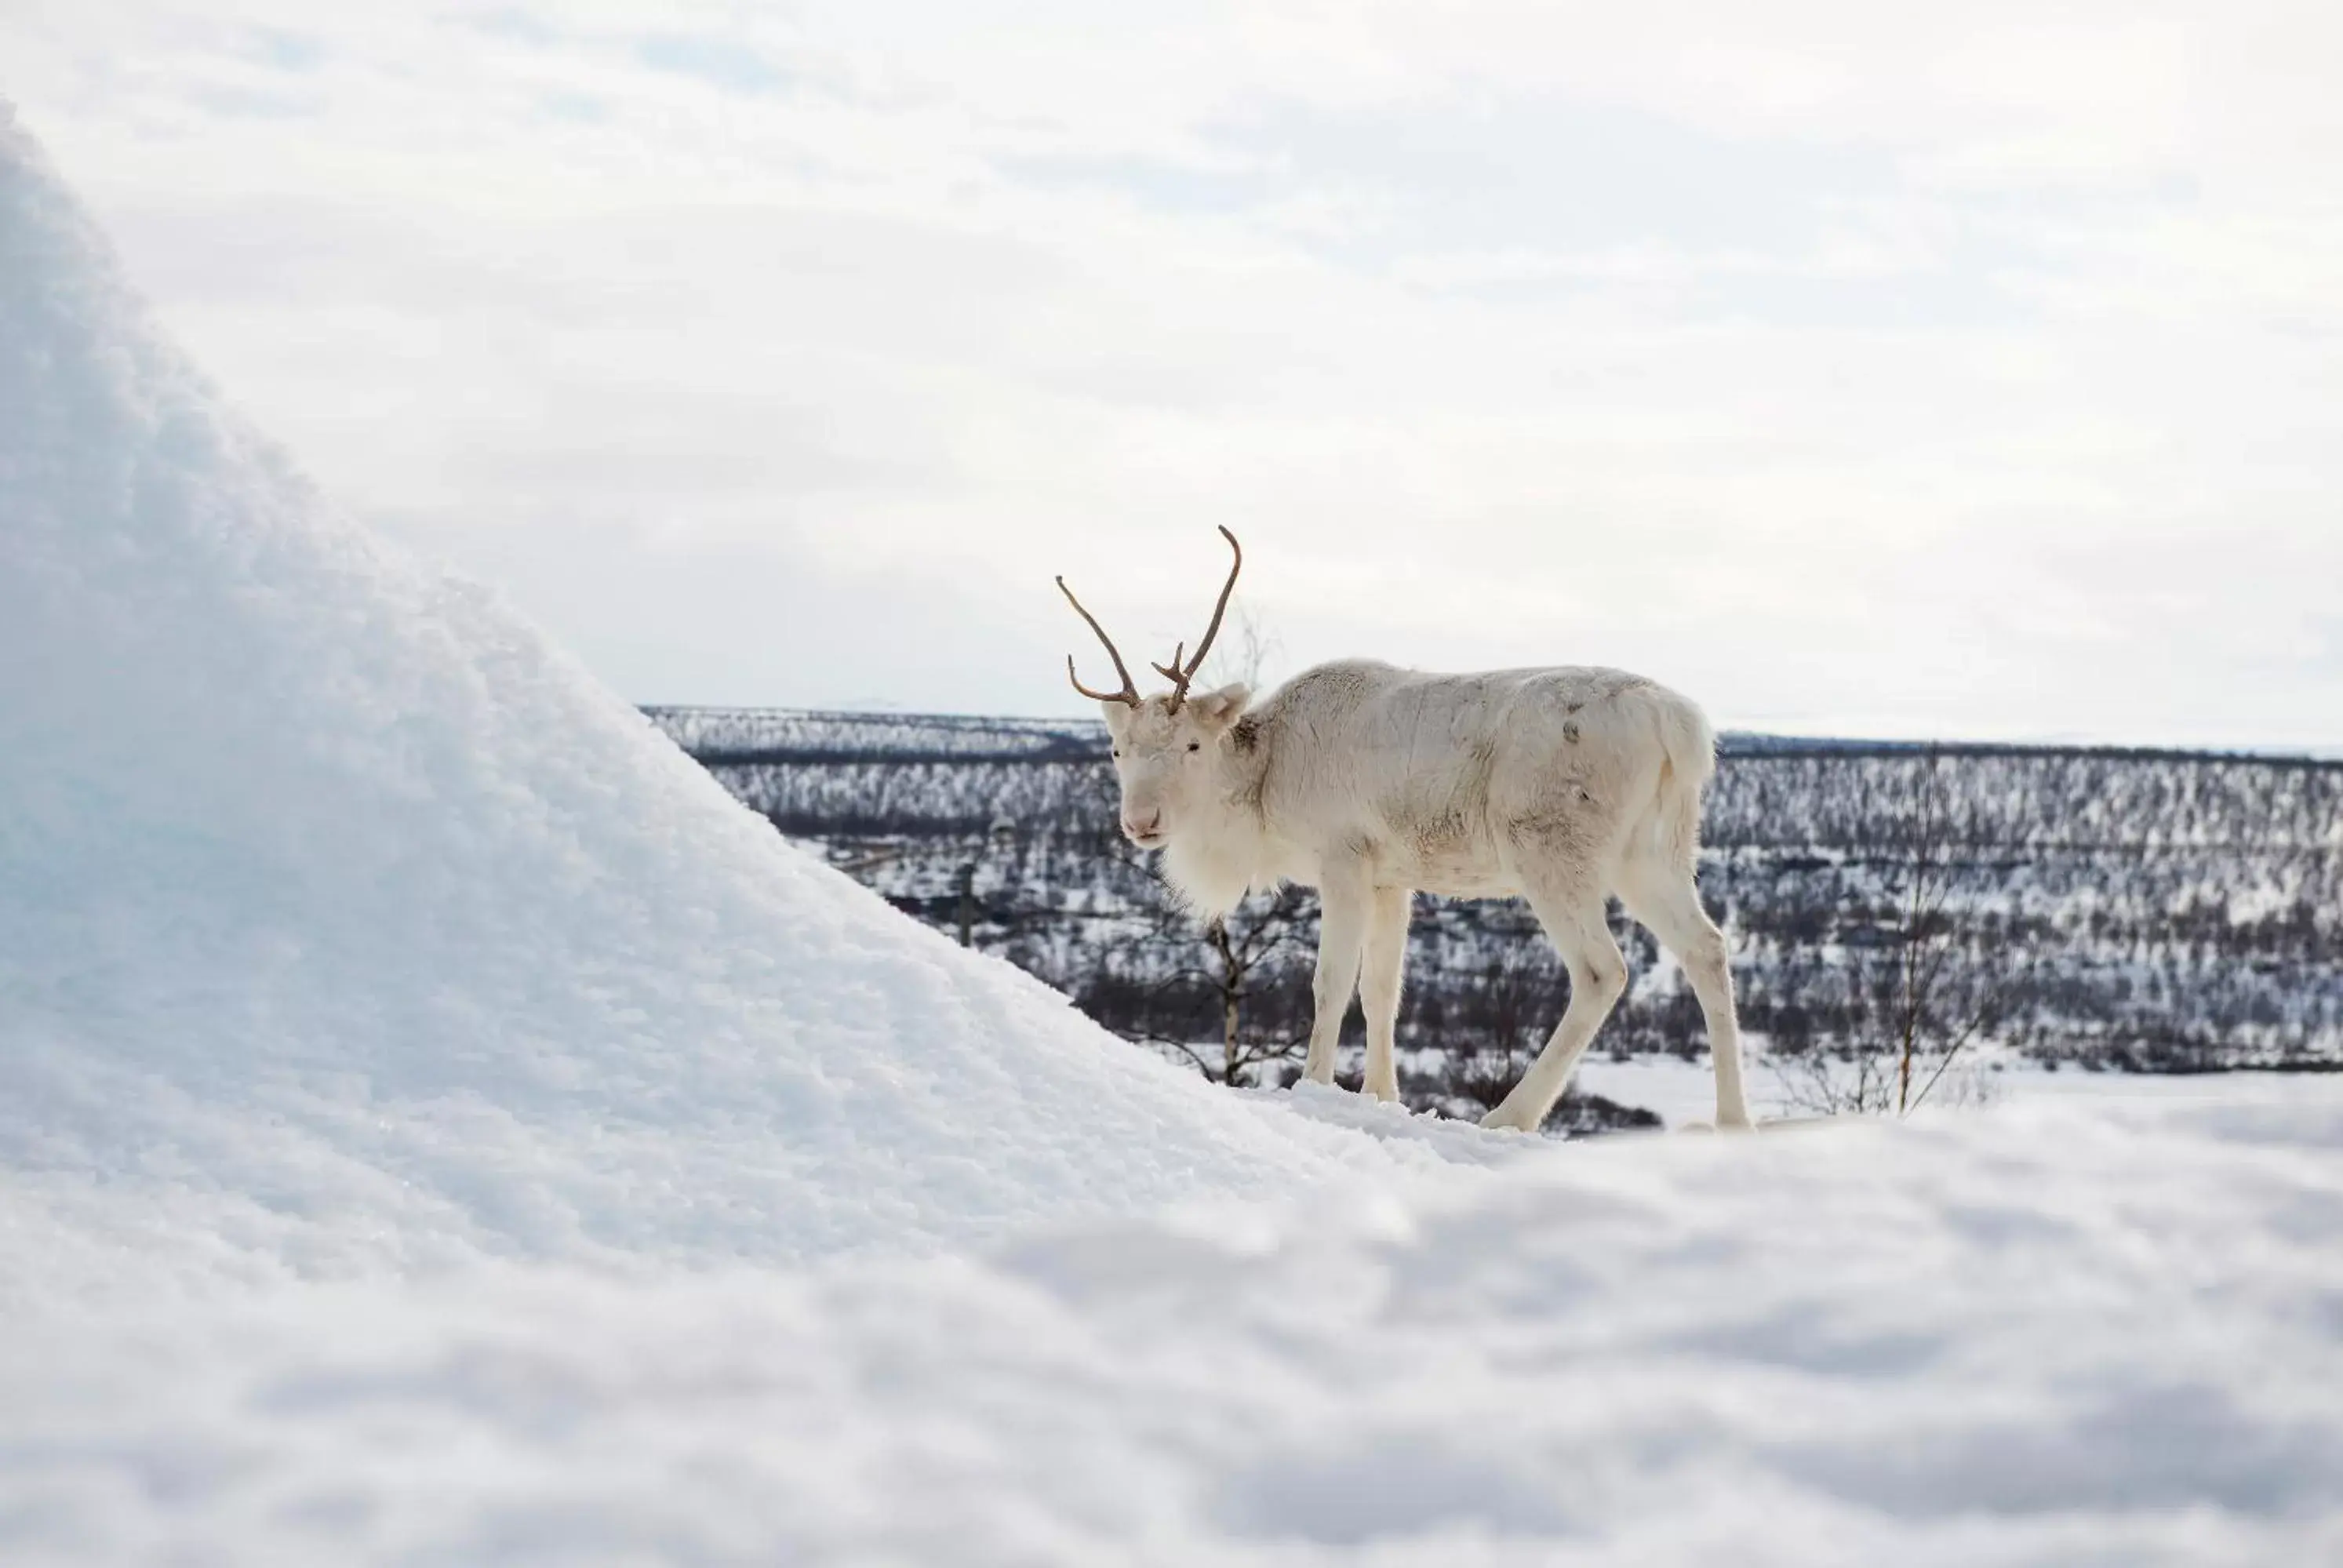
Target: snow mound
[345,925]
[2054,1334]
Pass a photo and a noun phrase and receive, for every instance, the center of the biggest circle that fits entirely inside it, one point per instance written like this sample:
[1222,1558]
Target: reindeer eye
[1192,745]
[1117,751]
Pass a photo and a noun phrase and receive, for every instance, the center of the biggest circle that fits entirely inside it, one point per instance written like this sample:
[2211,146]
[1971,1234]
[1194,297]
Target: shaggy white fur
[1368,782]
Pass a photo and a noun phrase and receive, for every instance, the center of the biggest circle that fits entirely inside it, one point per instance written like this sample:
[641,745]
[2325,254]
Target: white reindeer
[1368,782]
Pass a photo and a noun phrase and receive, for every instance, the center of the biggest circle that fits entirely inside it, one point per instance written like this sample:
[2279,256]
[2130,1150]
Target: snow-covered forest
[2156,911]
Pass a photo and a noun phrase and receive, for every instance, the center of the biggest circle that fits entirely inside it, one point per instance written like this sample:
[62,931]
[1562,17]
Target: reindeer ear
[1118,716]
[1220,709]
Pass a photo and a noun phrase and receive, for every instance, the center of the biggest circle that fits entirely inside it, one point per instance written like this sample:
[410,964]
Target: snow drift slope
[344,924]
[2053,1336]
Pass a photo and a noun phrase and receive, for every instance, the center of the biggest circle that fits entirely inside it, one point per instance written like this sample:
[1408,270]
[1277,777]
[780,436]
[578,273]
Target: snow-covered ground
[436,1125]
[1682,1094]
[2050,1334]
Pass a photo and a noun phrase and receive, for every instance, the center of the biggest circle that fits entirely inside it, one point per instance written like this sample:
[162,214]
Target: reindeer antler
[1129,692]
[1178,673]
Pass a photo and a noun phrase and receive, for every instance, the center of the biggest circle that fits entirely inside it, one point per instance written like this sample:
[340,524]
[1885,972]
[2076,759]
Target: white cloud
[1956,372]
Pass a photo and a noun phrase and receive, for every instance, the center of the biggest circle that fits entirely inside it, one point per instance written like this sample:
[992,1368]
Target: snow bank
[343,925]
[2047,1335]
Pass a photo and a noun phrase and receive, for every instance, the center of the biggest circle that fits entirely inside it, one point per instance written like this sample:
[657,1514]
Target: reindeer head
[1164,746]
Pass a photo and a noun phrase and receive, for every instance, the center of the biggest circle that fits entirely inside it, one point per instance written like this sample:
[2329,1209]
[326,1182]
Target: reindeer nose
[1132,828]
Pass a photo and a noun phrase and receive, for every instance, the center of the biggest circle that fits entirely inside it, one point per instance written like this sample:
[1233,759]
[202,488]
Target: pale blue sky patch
[1162,183]
[580,109]
[513,24]
[285,51]
[251,102]
[718,62]
[1531,198]
[1551,171]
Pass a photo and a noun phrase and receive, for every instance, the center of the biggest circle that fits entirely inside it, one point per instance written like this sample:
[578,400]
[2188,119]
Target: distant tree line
[2149,910]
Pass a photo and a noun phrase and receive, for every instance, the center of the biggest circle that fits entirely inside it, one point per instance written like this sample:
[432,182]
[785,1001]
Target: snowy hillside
[437,1125]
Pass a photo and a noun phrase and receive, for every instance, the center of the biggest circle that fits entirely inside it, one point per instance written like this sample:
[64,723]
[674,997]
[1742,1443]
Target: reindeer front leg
[1343,903]
[1378,988]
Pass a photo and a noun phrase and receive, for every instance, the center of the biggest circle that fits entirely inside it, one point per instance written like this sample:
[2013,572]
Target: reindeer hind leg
[1571,912]
[1665,898]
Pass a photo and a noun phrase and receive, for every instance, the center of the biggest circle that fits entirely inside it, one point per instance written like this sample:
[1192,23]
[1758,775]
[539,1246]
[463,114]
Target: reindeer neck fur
[1221,849]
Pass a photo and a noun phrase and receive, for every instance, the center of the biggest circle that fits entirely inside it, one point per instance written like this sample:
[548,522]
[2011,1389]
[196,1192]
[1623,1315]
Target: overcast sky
[1965,370]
